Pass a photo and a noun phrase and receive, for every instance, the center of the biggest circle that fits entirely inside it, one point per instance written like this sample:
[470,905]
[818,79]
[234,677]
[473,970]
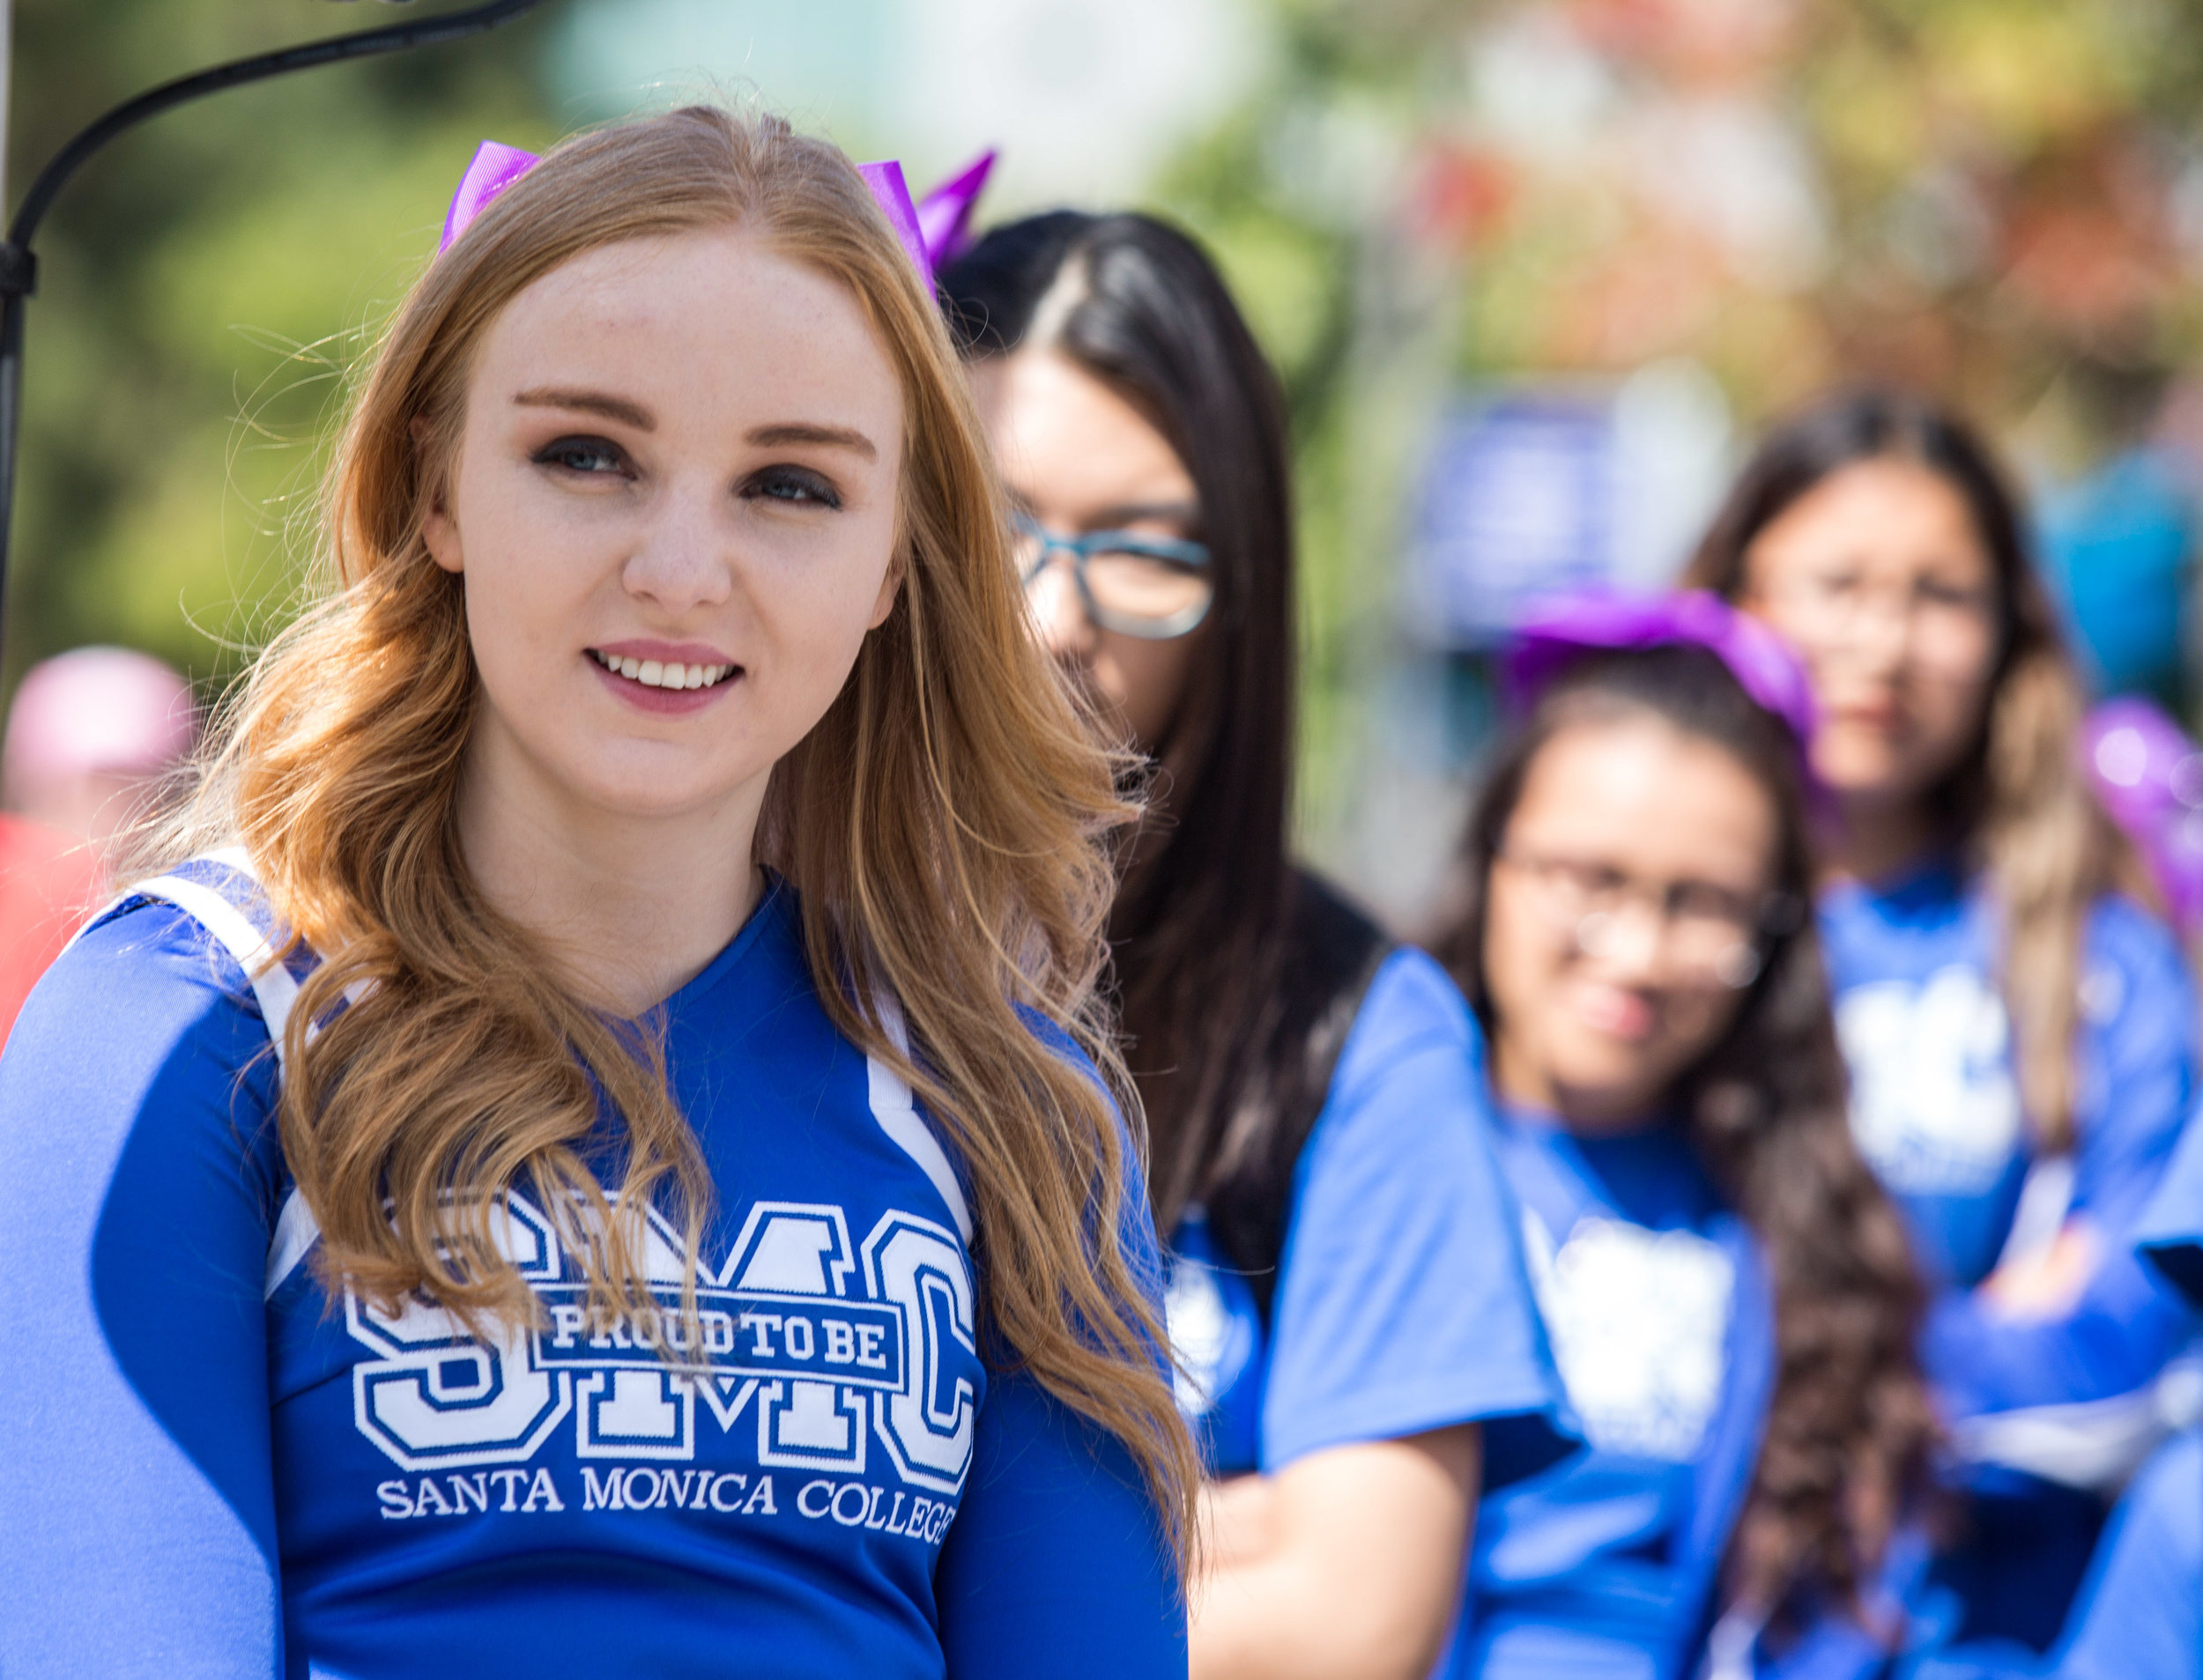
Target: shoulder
[141,961]
[145,1010]
[1411,1005]
[2135,940]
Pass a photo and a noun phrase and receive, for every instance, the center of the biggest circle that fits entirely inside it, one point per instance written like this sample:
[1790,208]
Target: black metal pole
[19,267]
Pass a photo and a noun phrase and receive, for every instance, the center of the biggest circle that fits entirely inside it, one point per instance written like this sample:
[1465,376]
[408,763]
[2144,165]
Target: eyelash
[559,453]
[810,487]
[794,486]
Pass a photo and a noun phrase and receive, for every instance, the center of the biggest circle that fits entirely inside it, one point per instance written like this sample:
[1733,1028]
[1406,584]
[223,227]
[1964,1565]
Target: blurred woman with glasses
[1727,1288]
[2021,1037]
[1356,1343]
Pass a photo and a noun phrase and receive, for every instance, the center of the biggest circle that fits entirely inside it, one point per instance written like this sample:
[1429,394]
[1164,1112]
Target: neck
[1522,1080]
[1878,837]
[631,907]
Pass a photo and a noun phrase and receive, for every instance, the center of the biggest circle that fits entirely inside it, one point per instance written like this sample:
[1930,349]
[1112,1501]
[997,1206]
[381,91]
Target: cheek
[1521,960]
[1147,681]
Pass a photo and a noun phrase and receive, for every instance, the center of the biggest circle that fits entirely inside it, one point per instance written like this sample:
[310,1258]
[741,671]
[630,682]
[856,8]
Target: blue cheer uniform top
[223,1470]
[1659,1307]
[1400,1304]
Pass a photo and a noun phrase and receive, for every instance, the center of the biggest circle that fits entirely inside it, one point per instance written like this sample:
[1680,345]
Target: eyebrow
[798,432]
[1132,513]
[634,414]
[612,408]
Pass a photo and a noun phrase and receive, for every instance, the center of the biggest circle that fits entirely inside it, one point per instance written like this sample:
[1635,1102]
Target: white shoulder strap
[273,985]
[897,1112]
[234,930]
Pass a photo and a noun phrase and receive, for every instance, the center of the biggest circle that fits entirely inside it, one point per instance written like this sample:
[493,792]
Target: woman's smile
[667,679]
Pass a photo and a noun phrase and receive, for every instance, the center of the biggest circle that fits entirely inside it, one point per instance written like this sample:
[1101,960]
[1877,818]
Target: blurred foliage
[203,287]
[2001,200]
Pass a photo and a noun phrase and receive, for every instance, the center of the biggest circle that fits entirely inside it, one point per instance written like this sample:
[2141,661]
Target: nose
[685,557]
[1059,617]
[1625,941]
[1880,634]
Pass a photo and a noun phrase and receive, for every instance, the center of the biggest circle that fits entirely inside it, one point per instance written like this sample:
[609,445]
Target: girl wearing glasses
[1347,1304]
[2021,1039]
[1727,1288]
[610,1168]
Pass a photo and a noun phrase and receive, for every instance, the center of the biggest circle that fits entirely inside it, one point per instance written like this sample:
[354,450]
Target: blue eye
[592,456]
[797,486]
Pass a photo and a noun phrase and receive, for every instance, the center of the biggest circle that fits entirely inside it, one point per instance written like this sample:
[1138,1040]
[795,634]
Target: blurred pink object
[88,731]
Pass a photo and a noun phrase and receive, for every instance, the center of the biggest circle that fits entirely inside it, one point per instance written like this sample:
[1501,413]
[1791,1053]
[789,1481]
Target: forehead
[708,322]
[1638,794]
[1063,434]
[1887,510]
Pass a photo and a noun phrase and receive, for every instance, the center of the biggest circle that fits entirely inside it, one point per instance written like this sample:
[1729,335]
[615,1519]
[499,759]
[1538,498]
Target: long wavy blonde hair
[945,825]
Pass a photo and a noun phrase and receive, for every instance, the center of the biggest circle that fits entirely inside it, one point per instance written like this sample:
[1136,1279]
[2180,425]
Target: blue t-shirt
[1400,1303]
[1936,1111]
[1662,1322]
[2170,1232]
[223,1470]
[2140,1615]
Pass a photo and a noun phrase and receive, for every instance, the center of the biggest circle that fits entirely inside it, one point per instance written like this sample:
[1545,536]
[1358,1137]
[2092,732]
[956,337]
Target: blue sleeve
[1403,1303]
[2140,1615]
[1055,1563]
[2136,1090]
[2171,1229]
[137,1505]
[2136,1072]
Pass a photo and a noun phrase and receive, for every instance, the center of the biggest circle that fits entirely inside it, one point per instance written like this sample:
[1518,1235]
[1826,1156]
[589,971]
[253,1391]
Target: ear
[890,586]
[438,529]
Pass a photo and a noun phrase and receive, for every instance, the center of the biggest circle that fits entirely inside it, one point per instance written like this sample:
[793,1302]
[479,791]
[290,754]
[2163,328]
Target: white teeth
[664,674]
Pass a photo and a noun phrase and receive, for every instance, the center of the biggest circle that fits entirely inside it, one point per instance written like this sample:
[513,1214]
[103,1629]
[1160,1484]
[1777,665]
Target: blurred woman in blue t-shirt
[1357,1348]
[2021,1037]
[1727,1289]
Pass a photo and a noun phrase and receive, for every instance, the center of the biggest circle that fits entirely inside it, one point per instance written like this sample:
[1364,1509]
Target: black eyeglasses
[1153,587]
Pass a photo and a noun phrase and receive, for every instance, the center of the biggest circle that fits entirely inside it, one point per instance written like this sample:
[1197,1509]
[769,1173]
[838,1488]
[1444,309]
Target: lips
[666,673]
[664,678]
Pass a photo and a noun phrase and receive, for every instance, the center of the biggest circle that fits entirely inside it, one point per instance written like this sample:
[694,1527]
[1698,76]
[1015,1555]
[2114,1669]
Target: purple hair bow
[932,231]
[2149,777]
[1562,630]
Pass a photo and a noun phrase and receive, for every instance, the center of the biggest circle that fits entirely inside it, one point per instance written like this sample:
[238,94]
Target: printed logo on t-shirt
[1639,1324]
[832,1353]
[1209,1343]
[1933,1104]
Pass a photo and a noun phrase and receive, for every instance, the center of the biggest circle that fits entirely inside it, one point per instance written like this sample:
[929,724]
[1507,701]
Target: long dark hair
[1850,1425]
[2017,805]
[1230,962]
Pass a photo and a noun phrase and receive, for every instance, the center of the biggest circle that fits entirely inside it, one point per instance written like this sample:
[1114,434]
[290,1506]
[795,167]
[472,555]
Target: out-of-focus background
[1532,274]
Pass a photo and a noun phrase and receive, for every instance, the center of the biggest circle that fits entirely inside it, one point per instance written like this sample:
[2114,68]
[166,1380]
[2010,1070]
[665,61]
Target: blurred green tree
[204,287]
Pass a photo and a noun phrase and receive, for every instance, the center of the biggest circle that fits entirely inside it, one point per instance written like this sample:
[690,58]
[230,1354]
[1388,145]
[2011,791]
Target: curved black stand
[19,267]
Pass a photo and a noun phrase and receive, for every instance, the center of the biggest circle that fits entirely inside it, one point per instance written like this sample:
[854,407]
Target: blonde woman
[606,1173]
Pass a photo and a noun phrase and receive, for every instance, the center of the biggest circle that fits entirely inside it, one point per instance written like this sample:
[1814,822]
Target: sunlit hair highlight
[946,824]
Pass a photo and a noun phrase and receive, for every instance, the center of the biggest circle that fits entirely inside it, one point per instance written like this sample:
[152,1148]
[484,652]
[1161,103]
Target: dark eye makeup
[797,486]
[593,458]
[589,456]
